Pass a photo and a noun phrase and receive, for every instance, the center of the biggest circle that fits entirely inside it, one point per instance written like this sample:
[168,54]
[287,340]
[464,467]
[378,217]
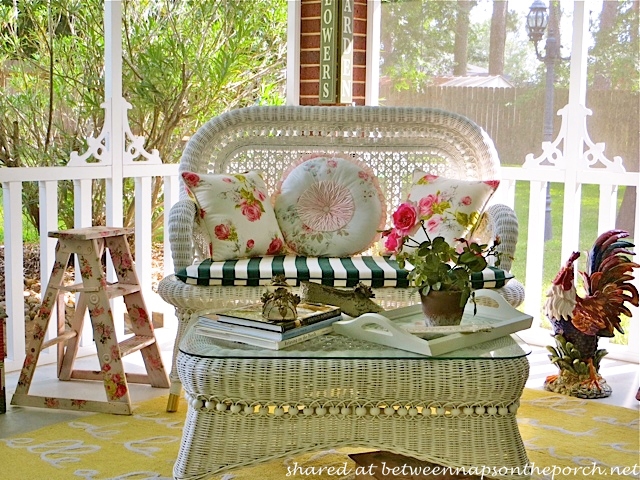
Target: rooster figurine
[578,322]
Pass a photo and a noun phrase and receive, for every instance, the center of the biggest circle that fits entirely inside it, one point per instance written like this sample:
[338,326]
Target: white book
[262,342]
[224,327]
[251,316]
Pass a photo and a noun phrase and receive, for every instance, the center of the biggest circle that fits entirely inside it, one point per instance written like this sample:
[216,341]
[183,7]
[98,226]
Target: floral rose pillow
[329,205]
[236,212]
[451,208]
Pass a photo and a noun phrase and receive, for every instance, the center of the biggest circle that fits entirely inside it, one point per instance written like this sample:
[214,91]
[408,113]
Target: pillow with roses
[329,205]
[235,211]
[450,208]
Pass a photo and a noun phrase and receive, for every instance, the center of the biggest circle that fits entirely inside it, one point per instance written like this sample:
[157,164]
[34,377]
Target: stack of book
[247,325]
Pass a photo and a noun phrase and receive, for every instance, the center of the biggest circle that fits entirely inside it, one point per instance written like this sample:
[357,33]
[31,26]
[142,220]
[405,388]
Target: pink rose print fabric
[329,205]
[236,212]
[450,208]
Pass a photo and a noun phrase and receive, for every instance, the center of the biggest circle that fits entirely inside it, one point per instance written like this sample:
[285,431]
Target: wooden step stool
[94,293]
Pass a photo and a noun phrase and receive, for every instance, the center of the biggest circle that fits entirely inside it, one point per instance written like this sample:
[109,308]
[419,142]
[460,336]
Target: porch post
[372,81]
[119,148]
[573,147]
[293,52]
[567,152]
[114,104]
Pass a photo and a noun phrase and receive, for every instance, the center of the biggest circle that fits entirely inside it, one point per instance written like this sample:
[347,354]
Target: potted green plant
[440,271]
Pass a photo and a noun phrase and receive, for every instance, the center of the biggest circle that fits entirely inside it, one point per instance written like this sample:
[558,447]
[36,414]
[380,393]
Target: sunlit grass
[29,232]
[552,249]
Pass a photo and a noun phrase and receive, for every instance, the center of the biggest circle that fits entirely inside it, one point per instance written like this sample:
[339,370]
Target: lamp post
[537,22]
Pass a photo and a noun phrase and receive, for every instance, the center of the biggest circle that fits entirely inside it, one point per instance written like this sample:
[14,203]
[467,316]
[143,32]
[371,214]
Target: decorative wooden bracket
[594,154]
[99,147]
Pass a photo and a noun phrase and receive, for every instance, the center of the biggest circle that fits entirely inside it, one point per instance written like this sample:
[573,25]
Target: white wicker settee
[392,141]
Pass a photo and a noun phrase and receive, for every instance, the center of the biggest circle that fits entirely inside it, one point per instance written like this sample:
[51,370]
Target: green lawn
[30,233]
[552,260]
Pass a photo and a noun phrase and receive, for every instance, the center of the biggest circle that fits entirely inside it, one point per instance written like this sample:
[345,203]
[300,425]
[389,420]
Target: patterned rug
[565,437]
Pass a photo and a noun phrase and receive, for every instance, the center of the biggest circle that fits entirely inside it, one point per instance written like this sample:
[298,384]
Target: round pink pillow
[329,206]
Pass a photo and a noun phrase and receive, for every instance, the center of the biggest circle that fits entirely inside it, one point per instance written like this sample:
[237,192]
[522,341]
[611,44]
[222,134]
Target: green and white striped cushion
[376,271]
[490,277]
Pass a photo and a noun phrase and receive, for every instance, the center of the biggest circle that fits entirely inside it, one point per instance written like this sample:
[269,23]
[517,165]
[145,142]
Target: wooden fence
[513,117]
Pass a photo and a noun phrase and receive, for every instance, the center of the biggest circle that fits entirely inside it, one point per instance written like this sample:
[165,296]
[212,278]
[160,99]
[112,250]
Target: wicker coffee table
[248,405]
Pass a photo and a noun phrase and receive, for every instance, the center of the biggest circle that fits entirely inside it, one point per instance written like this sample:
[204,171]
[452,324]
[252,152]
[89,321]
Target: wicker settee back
[392,141]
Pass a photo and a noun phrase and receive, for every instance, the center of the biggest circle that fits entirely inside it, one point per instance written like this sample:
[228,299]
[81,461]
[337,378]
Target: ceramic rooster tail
[578,321]
[608,286]
[608,245]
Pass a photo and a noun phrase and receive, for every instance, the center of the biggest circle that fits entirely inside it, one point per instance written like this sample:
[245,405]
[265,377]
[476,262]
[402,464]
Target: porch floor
[623,377]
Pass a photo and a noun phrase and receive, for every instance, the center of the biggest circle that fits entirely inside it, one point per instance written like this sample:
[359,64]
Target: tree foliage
[417,41]
[419,38]
[422,40]
[615,56]
[183,63]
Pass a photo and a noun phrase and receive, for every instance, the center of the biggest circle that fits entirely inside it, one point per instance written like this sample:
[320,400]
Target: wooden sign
[328,64]
[346,53]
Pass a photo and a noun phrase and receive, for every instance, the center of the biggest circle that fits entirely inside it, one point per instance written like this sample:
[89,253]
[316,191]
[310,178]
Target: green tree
[615,56]
[417,41]
[184,62]
[424,39]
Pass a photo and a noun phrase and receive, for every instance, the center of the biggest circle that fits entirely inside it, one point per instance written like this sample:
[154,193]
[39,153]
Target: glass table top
[336,346]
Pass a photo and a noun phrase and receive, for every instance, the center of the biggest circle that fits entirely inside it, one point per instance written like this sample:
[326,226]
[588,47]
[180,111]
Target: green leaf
[462,219]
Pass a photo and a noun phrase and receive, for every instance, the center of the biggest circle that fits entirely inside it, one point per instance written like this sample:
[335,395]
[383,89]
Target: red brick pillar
[310,51]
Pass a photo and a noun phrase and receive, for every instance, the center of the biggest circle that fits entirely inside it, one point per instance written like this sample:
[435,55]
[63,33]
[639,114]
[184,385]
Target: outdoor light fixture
[537,20]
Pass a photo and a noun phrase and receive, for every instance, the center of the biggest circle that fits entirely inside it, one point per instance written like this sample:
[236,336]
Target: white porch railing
[82,176]
[48,178]
[608,183]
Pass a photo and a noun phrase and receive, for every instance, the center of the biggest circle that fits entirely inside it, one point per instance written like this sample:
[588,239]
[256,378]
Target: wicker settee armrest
[181,232]
[502,221]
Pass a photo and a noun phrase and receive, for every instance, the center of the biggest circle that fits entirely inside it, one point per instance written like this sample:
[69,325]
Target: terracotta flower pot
[442,308]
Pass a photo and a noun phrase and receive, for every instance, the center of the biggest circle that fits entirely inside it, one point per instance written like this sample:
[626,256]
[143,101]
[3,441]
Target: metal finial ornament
[279,302]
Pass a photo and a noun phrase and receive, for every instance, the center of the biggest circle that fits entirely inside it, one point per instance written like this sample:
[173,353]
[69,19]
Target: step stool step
[113,290]
[135,343]
[91,233]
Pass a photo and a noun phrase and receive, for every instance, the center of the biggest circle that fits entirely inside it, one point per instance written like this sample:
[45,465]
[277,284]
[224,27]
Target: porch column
[121,150]
[573,147]
[348,35]
[115,104]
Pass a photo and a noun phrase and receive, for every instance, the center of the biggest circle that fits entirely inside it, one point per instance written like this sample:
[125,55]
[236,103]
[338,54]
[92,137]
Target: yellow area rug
[565,437]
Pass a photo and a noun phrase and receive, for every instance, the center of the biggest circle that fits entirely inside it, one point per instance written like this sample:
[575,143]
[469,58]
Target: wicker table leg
[183,316]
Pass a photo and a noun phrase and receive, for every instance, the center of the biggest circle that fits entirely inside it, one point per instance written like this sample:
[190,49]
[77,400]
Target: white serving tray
[403,328]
